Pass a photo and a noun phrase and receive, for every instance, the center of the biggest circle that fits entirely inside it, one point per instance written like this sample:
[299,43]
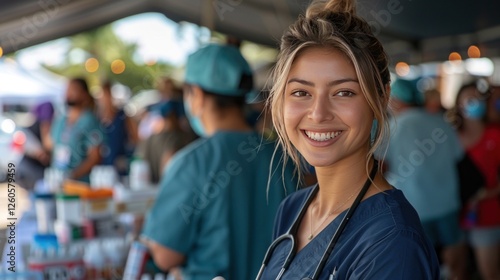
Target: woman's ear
[198,100]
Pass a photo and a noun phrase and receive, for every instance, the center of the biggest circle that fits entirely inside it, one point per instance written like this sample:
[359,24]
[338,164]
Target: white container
[54,178]
[69,209]
[95,260]
[103,176]
[45,206]
[97,207]
[139,176]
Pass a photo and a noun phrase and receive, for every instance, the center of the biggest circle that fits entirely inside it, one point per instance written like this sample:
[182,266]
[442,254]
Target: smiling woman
[331,85]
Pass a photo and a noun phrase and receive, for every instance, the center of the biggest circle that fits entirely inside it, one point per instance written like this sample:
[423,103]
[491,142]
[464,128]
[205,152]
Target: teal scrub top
[215,207]
[72,142]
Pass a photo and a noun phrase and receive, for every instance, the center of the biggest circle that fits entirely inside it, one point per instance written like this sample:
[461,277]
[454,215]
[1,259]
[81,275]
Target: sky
[157,37]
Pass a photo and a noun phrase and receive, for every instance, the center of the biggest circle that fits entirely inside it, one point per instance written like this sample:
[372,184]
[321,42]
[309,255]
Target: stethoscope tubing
[287,235]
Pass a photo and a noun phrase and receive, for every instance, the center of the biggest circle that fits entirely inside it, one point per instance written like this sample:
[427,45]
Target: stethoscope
[293,229]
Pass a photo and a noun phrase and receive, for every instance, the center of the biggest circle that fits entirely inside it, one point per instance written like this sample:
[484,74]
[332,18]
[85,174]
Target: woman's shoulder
[389,212]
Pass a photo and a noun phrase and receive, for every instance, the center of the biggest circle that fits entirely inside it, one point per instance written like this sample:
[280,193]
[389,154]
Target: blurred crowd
[447,164]
[92,131]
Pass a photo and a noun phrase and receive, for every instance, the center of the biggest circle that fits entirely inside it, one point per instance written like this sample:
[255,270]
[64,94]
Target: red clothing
[486,155]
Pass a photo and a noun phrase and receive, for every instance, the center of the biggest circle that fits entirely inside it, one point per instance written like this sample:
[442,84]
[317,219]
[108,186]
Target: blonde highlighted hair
[333,25]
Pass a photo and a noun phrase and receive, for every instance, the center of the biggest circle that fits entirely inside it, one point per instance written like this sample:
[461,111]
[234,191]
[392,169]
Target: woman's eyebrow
[331,83]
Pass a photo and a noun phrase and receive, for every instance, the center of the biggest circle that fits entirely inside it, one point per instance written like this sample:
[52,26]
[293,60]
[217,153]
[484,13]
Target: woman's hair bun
[332,6]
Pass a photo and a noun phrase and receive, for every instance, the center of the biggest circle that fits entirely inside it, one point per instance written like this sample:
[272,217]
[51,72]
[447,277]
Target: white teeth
[317,136]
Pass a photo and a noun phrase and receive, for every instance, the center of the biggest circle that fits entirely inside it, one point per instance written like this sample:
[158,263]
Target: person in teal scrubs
[215,210]
[421,160]
[76,136]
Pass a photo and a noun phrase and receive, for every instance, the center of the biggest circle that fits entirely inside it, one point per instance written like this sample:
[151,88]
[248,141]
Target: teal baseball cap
[406,91]
[219,69]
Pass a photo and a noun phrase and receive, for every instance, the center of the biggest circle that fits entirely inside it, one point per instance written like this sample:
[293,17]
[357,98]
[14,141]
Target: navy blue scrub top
[383,240]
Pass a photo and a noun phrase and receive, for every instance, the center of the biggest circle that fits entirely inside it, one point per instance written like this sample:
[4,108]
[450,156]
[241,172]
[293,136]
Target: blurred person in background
[215,210]
[159,148]
[36,157]
[482,144]
[76,136]
[120,131]
[422,159]
[432,102]
[151,121]
[493,110]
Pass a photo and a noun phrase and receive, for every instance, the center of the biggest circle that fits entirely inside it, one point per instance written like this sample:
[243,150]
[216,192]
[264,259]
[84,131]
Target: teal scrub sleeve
[172,220]
[55,130]
[94,135]
[414,261]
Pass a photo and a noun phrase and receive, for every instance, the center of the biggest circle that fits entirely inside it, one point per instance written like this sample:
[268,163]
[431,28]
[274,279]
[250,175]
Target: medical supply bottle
[139,176]
[95,262]
[137,259]
[45,206]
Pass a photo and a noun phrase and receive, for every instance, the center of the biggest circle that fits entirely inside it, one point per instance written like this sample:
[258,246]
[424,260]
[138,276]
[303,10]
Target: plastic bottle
[115,252]
[45,205]
[139,176]
[159,276]
[136,260]
[95,261]
[69,209]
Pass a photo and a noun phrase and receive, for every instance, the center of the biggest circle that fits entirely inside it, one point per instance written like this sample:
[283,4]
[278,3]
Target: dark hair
[82,83]
[224,101]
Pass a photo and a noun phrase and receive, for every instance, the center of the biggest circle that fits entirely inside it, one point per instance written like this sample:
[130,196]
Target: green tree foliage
[105,46]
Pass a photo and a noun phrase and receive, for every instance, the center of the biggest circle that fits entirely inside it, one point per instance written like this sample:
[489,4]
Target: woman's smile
[322,136]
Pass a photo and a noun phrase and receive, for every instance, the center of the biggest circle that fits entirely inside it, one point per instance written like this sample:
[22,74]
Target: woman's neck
[230,120]
[74,114]
[471,132]
[108,113]
[340,183]
[473,126]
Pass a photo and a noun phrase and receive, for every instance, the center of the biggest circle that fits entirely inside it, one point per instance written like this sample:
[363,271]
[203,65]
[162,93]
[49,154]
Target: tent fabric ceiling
[411,30]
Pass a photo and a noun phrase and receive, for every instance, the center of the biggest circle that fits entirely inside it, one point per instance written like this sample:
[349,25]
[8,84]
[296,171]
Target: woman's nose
[321,110]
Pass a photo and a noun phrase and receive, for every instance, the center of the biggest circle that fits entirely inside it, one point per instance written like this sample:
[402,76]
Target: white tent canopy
[412,31]
[20,86]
